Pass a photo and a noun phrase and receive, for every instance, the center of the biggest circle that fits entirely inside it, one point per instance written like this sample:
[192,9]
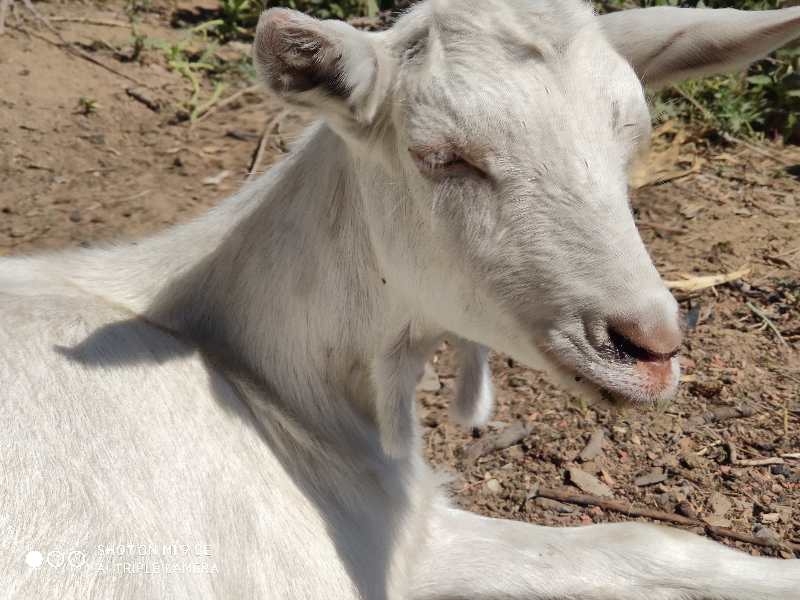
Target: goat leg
[477,558]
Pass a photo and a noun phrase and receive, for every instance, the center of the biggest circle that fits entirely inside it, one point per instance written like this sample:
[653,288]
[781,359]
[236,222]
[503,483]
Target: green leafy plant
[326,9]
[765,101]
[192,67]
[238,18]
[87,106]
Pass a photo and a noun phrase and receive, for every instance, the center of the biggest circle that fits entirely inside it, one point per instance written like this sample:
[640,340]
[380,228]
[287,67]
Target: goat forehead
[494,74]
[468,26]
[514,47]
[523,95]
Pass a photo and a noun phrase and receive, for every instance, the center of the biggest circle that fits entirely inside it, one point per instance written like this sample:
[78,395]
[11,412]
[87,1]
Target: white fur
[474,401]
[244,383]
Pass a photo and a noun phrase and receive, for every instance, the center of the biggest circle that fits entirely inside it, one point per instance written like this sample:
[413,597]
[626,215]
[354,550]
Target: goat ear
[324,65]
[666,44]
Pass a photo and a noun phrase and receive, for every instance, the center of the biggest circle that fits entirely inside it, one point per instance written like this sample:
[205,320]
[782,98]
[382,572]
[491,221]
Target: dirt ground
[91,152]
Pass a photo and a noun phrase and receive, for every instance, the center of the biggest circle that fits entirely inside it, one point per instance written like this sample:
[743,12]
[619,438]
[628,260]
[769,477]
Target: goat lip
[616,382]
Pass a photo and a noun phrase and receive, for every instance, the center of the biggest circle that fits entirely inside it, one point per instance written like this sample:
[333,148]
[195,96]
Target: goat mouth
[617,373]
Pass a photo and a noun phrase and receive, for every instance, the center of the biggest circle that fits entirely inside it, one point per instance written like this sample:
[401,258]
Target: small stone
[515,452]
[717,521]
[781,470]
[516,381]
[594,447]
[691,460]
[670,461]
[686,509]
[589,483]
[768,535]
[554,505]
[493,487]
[653,477]
[216,179]
[720,504]
[785,512]
[770,517]
[665,501]
[75,216]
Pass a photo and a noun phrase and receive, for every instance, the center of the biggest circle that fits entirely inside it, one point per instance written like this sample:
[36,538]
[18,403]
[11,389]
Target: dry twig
[759,462]
[75,51]
[768,322]
[144,98]
[757,149]
[4,4]
[696,284]
[225,102]
[626,508]
[510,436]
[272,127]
[87,21]
[660,227]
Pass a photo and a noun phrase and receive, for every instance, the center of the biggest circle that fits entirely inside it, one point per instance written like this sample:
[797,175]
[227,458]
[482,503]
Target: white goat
[239,392]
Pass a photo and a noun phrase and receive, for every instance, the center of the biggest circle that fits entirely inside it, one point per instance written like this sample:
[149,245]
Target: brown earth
[83,160]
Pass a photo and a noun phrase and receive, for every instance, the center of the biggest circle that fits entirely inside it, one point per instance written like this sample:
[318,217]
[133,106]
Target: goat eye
[443,163]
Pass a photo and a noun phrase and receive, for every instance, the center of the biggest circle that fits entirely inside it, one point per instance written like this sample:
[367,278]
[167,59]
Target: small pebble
[768,535]
[493,487]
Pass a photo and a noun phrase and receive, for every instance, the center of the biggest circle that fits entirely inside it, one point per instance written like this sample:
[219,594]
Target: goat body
[226,410]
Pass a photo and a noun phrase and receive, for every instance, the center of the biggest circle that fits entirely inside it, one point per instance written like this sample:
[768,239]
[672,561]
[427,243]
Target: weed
[134,7]
[763,101]
[87,106]
[192,66]
[238,18]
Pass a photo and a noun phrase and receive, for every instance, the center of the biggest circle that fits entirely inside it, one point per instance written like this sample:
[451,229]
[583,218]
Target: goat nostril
[627,349]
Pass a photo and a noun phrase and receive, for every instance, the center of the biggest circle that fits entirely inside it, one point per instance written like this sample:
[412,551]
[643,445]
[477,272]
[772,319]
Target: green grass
[238,18]
[763,102]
